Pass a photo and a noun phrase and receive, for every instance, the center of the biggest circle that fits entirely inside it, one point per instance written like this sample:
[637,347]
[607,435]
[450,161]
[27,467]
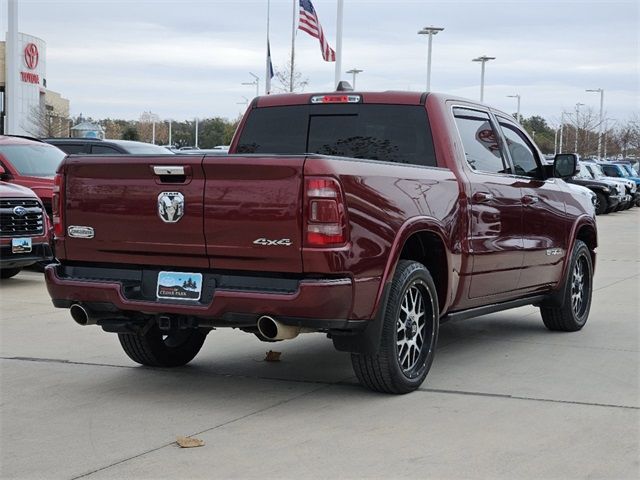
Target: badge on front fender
[170,206]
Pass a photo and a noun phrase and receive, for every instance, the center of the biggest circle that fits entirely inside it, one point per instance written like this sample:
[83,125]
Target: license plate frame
[21,245]
[181,286]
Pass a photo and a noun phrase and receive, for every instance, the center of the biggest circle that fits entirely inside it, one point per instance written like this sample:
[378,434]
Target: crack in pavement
[344,382]
[530,399]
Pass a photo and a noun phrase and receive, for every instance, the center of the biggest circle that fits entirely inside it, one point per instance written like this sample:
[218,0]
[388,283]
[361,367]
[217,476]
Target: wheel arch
[585,230]
[424,240]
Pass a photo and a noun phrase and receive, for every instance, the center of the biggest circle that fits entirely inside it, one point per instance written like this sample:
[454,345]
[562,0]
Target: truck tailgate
[253,212]
[134,210]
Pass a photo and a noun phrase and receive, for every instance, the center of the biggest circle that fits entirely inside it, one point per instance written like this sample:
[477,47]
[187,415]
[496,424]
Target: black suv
[95,146]
[608,195]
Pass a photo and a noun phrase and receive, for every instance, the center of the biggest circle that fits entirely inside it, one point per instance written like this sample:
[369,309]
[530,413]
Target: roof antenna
[344,86]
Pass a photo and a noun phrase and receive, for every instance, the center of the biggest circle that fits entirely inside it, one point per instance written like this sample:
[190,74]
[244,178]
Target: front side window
[480,142]
[522,155]
[37,160]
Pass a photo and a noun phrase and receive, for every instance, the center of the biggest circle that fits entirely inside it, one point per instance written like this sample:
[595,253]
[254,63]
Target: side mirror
[565,165]
[3,173]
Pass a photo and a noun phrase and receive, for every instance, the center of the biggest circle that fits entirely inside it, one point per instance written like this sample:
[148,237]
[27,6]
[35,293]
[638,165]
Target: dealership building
[38,111]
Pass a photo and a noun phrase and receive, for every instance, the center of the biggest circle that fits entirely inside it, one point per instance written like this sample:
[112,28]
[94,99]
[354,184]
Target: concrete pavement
[505,398]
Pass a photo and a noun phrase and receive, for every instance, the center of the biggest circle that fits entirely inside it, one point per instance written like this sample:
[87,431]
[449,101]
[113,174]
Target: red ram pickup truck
[371,217]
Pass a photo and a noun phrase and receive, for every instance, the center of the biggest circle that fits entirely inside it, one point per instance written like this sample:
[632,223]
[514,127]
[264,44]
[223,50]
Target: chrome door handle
[482,197]
[529,200]
[168,170]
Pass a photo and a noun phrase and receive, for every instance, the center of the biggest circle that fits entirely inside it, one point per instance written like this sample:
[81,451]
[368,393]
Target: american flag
[309,23]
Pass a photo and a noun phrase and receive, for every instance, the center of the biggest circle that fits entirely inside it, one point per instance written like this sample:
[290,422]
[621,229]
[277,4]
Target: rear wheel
[574,312]
[156,348]
[409,334]
[9,272]
[601,203]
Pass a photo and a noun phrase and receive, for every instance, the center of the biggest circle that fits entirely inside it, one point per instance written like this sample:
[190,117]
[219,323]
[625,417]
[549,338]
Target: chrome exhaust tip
[272,329]
[79,314]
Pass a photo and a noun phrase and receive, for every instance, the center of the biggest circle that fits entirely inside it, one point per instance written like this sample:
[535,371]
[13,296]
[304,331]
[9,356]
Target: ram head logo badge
[170,206]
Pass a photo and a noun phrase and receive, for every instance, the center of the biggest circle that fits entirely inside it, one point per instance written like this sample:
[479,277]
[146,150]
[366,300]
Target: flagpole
[267,77]
[293,44]
[338,72]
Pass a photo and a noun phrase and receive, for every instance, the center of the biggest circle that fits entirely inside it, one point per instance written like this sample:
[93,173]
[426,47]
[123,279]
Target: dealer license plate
[20,245]
[179,285]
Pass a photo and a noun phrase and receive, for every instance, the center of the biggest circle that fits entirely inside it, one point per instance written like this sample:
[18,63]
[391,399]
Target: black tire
[574,312]
[156,349]
[9,272]
[601,203]
[402,364]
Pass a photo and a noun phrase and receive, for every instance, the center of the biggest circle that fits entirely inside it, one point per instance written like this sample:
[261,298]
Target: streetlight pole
[601,91]
[170,122]
[517,95]
[578,105]
[483,59]
[431,31]
[562,130]
[354,72]
[255,82]
[196,142]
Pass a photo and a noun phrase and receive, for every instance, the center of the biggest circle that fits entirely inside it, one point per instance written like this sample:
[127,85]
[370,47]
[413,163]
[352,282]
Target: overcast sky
[182,59]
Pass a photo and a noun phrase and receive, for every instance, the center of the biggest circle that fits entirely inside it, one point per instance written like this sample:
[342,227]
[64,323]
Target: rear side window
[480,141]
[390,133]
[72,148]
[103,149]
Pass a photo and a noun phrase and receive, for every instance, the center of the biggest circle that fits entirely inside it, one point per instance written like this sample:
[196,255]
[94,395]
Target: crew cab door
[545,225]
[494,197]
[253,212]
[142,210]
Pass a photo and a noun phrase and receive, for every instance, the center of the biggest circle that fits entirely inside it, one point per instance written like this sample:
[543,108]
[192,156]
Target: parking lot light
[600,127]
[483,59]
[431,31]
[517,95]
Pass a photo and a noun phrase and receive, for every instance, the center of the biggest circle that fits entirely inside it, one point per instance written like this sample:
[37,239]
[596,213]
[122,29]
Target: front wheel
[409,334]
[159,349]
[601,203]
[573,313]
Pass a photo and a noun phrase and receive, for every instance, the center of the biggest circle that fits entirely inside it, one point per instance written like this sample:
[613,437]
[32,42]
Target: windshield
[584,173]
[596,170]
[33,160]
[630,170]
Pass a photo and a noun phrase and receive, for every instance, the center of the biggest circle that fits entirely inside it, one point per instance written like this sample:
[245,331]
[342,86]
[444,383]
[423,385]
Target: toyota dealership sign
[31,59]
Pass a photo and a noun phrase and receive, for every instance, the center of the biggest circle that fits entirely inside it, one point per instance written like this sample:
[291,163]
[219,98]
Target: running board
[492,308]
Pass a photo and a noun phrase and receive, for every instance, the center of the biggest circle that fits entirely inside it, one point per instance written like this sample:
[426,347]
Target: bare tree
[283,80]
[144,126]
[44,121]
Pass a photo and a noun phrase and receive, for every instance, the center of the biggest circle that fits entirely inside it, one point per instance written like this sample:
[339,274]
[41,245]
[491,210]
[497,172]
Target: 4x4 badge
[170,206]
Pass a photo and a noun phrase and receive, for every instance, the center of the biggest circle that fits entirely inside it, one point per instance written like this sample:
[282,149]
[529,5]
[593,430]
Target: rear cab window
[388,133]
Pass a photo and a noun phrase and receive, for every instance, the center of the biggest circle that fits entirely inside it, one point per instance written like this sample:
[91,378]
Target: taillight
[326,221]
[57,205]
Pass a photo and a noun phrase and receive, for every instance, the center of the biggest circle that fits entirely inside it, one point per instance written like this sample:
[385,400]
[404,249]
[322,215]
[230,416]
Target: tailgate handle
[168,170]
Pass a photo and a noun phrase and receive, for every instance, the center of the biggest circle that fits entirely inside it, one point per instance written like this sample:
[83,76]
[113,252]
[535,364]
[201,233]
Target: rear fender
[368,342]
